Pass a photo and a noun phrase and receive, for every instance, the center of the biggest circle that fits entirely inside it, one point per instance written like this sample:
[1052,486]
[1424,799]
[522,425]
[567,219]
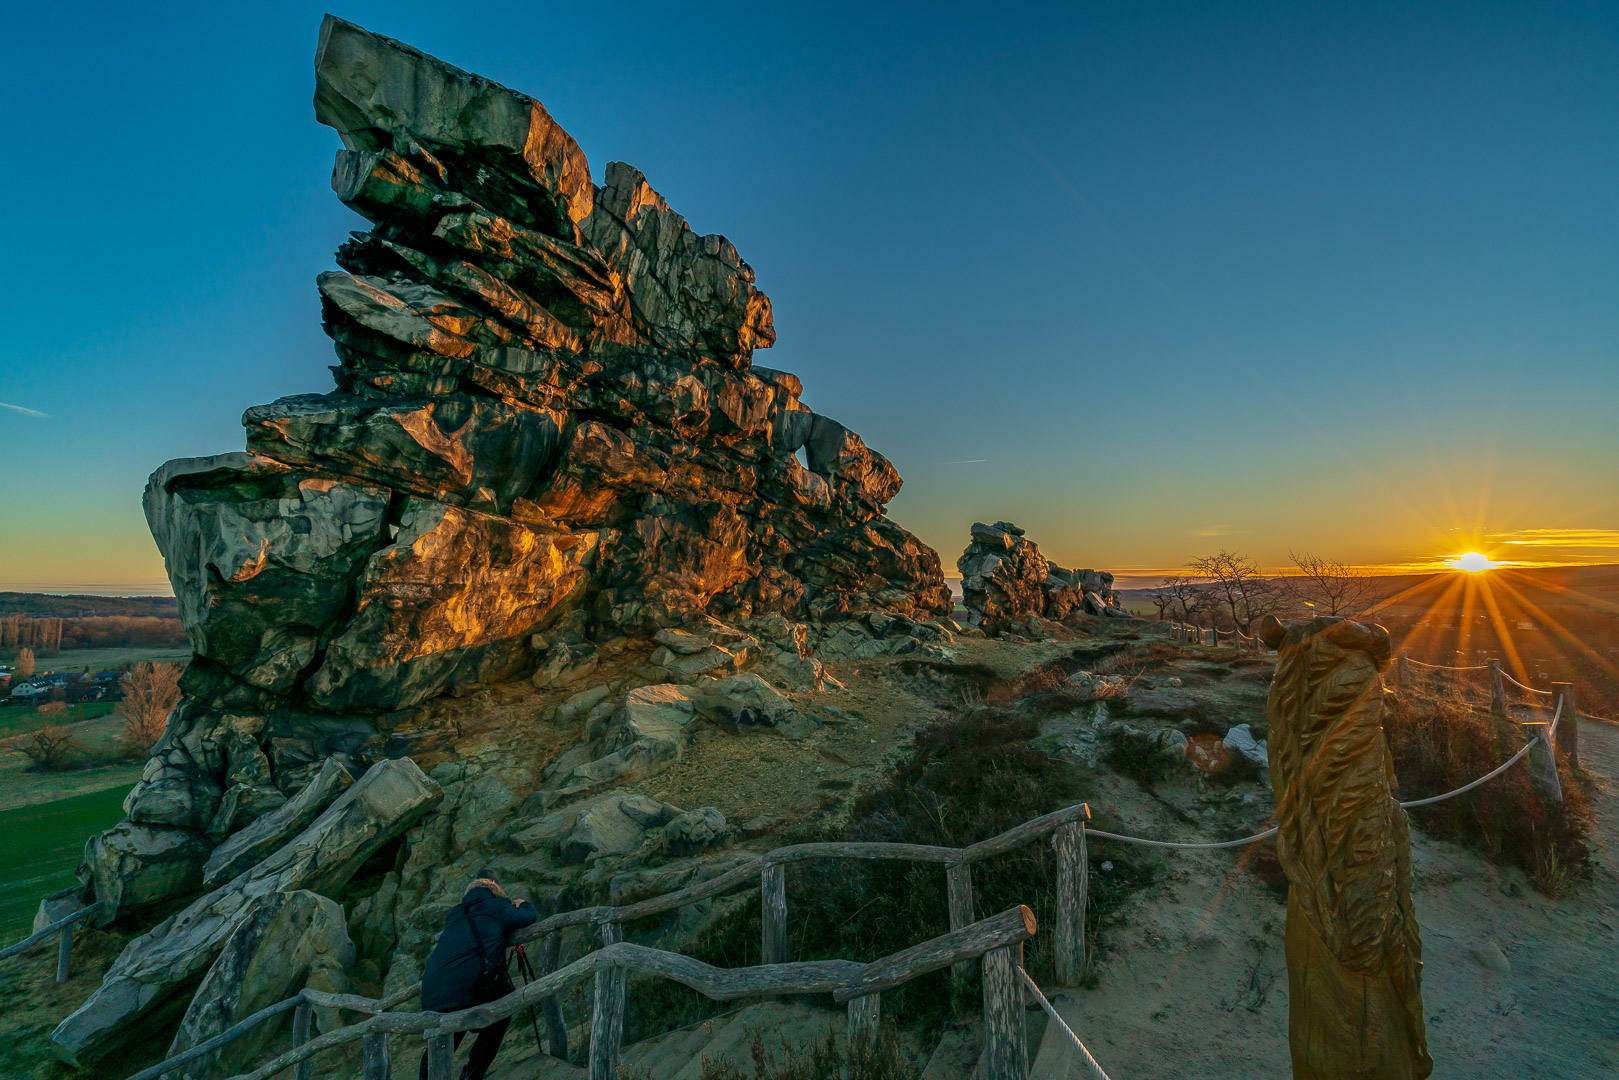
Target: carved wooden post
[1073,880]
[556,1031]
[773,915]
[1006,1050]
[440,1055]
[1498,688]
[302,1017]
[377,1061]
[958,887]
[1568,726]
[1405,670]
[64,953]
[607,1020]
[865,1018]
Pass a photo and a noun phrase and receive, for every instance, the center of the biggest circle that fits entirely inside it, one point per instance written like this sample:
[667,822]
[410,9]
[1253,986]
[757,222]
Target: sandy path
[1515,985]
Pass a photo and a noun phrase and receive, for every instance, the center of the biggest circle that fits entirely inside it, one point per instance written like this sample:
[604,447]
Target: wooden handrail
[710,981]
[743,876]
[41,934]
[817,976]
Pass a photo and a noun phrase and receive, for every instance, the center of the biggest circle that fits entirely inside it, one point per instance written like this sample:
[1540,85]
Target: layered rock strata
[1004,577]
[547,428]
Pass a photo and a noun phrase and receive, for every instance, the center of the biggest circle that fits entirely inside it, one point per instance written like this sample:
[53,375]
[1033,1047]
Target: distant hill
[44,605]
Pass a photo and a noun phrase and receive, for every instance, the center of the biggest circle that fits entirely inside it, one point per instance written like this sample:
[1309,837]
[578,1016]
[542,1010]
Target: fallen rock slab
[269,832]
[288,941]
[146,980]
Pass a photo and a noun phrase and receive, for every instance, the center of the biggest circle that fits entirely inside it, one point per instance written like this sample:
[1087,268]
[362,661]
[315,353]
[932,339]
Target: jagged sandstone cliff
[547,419]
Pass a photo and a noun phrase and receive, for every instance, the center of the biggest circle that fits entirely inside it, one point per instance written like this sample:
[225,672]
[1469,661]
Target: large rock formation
[546,402]
[546,418]
[1004,576]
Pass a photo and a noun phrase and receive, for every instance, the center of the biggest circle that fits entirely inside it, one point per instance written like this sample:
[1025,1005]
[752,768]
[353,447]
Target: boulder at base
[290,941]
[145,984]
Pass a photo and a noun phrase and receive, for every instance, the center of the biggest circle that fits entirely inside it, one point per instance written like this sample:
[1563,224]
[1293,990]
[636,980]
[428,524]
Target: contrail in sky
[969,461]
[19,408]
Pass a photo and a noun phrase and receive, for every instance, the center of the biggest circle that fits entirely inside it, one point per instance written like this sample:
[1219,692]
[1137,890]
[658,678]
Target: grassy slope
[41,847]
[115,657]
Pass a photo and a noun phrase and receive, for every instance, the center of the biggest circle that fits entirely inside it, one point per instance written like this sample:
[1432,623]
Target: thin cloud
[1214,530]
[1560,538]
[25,412]
[969,461]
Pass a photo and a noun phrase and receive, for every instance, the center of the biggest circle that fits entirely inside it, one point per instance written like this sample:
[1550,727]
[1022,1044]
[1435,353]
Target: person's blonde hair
[485,883]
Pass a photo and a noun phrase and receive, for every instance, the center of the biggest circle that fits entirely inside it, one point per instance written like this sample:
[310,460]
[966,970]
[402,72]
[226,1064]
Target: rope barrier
[1521,686]
[1096,1070]
[1446,667]
[1551,733]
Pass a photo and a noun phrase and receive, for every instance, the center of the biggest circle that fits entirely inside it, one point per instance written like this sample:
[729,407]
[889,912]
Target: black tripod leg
[534,1018]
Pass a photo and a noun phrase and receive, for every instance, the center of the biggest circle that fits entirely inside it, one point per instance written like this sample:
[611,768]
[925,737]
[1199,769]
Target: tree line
[1228,586]
[53,635]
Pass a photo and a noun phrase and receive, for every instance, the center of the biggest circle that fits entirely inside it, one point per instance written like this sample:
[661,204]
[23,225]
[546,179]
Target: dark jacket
[453,967]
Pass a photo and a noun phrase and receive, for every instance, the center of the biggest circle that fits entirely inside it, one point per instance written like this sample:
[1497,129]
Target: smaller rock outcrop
[292,940]
[158,966]
[1004,577]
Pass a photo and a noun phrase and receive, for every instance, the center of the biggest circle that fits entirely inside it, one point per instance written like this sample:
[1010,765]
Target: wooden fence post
[440,1055]
[302,1018]
[1006,1049]
[1498,688]
[1568,727]
[607,1018]
[1073,878]
[773,914]
[1405,670]
[377,1061]
[865,1018]
[958,887]
[556,1031]
[1543,760]
[64,953]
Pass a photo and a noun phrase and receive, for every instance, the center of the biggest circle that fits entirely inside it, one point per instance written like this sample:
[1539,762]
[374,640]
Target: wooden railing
[998,941]
[64,949]
[769,871]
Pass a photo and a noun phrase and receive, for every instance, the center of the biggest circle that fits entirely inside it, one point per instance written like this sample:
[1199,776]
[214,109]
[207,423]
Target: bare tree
[150,694]
[1239,585]
[23,666]
[49,745]
[1189,593]
[1333,587]
[1162,599]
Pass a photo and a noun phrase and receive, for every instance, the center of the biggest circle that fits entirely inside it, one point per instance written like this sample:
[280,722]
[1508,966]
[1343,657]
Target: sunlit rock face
[1004,577]
[546,408]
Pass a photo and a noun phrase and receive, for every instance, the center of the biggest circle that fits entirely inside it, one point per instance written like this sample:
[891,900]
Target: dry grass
[1441,744]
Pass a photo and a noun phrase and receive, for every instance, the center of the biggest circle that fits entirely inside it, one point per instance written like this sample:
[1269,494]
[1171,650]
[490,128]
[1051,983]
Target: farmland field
[41,847]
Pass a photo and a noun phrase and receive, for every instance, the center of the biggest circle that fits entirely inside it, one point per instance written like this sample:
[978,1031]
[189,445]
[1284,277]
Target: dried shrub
[50,746]
[150,693]
[1137,756]
[969,777]
[1442,744]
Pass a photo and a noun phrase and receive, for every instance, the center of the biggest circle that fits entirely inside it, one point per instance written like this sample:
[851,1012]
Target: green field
[107,659]
[15,719]
[41,845]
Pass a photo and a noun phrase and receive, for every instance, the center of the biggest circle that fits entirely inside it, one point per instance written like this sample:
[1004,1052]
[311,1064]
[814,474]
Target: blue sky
[1148,279]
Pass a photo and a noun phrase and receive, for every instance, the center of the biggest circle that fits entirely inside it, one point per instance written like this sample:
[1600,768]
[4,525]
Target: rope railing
[1523,686]
[1051,1011]
[1447,667]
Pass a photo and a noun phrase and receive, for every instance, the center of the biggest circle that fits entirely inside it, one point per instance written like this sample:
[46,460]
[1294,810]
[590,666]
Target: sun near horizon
[1473,562]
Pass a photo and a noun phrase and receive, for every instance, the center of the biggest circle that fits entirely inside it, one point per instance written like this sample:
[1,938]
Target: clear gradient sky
[1146,279]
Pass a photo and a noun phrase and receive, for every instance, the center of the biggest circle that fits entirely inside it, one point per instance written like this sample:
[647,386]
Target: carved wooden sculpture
[1354,957]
